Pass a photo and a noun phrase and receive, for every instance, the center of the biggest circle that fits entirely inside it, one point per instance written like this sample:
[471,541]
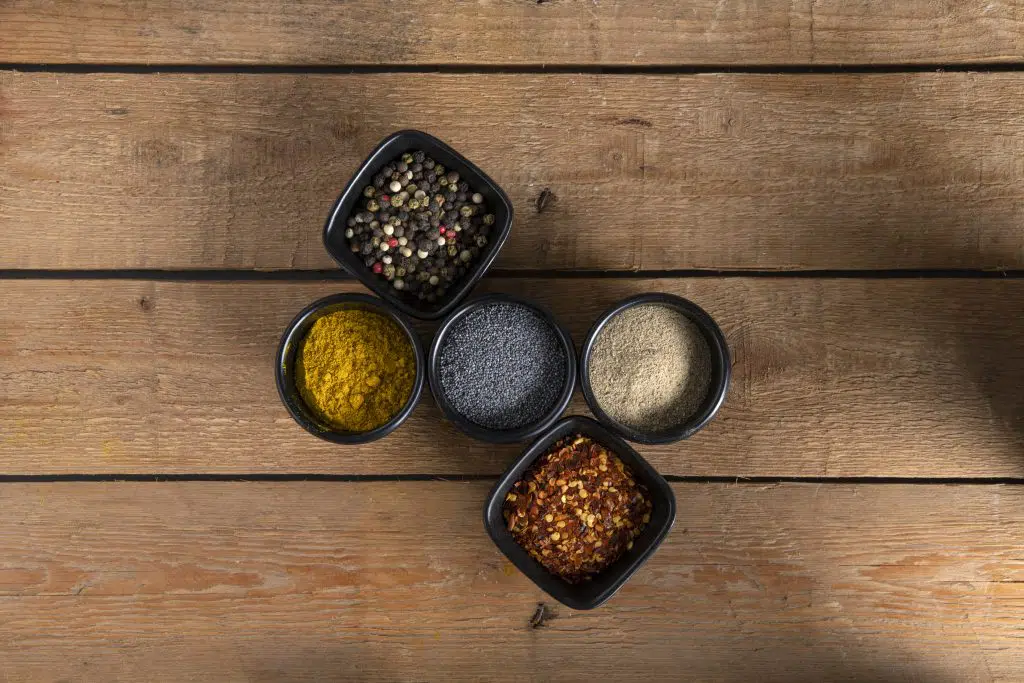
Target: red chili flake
[377,267]
[577,509]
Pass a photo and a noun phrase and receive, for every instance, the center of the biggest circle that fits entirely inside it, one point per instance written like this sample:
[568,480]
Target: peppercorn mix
[420,227]
[577,509]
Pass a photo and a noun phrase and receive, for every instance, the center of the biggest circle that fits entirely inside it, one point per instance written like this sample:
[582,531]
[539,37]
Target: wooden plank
[837,377]
[609,32]
[649,172]
[390,580]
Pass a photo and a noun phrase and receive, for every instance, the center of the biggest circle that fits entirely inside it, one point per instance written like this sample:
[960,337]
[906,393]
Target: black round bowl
[721,369]
[480,432]
[285,371]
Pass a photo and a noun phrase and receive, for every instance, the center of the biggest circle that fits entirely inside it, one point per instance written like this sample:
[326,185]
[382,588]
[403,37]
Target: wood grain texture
[511,32]
[837,377]
[648,172]
[306,581]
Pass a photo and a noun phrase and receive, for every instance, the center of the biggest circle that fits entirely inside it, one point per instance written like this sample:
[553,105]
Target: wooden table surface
[840,184]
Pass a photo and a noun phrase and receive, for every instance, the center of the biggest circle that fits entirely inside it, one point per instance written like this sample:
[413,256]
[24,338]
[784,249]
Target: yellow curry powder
[355,369]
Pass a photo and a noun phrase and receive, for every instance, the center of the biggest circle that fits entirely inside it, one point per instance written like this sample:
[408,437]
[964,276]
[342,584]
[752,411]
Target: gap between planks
[524,69]
[336,274]
[270,477]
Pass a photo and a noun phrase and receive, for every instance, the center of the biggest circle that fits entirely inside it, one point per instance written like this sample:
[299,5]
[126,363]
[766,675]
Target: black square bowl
[592,593]
[389,149]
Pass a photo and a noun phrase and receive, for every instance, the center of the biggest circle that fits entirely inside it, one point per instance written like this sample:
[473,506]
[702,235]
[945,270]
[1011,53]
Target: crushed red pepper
[577,509]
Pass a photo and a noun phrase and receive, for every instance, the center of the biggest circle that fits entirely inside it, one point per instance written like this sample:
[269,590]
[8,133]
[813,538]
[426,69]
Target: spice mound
[577,509]
[420,226]
[650,368]
[355,369]
[502,366]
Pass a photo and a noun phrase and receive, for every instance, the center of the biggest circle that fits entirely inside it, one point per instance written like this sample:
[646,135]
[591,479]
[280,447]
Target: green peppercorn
[489,219]
[466,211]
[452,250]
[439,170]
[407,158]
[373,205]
[369,191]
[414,204]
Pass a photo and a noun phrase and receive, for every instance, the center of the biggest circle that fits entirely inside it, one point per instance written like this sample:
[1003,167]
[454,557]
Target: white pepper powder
[650,368]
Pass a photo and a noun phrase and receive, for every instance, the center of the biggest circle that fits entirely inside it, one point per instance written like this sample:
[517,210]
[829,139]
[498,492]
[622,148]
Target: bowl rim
[657,485]
[479,432]
[381,154]
[288,345]
[721,366]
